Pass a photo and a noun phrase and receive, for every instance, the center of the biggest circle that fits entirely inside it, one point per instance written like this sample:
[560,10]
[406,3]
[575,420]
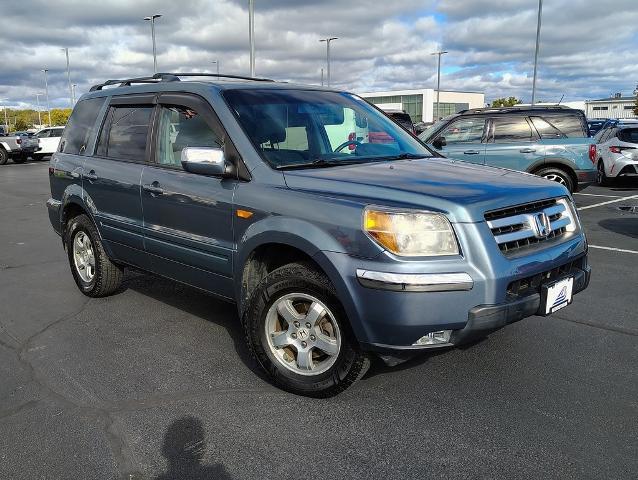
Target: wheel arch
[559,163]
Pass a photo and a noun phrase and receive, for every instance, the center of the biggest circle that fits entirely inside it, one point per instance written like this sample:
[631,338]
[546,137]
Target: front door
[188,217]
[463,138]
[513,143]
[111,177]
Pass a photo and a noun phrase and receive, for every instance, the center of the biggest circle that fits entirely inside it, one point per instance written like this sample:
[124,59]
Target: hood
[463,190]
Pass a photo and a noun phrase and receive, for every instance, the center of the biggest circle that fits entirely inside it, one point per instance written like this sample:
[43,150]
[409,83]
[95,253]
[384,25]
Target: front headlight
[410,233]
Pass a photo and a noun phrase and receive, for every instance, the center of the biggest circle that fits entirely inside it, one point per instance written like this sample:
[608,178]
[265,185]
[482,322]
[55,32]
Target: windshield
[306,128]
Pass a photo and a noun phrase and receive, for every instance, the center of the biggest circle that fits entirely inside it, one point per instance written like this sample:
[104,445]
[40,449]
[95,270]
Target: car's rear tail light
[592,153]
[615,149]
[18,140]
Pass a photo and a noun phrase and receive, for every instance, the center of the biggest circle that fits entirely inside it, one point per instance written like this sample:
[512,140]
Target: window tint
[44,134]
[124,133]
[629,135]
[57,132]
[570,125]
[181,127]
[469,130]
[511,130]
[80,125]
[546,129]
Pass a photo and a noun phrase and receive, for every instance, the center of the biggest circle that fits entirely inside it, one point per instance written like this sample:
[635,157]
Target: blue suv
[337,233]
[551,142]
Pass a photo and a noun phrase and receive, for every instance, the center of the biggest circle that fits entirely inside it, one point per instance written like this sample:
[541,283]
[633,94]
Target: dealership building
[612,107]
[420,104]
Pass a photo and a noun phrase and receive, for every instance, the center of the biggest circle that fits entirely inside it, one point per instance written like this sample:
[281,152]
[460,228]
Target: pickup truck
[18,146]
[551,142]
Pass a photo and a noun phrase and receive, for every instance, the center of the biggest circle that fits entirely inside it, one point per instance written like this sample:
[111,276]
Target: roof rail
[171,77]
[218,75]
[515,108]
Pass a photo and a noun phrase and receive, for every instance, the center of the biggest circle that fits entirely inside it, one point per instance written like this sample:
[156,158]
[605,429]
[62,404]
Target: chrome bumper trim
[415,282]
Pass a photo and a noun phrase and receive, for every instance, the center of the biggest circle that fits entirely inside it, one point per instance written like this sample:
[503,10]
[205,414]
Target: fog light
[434,338]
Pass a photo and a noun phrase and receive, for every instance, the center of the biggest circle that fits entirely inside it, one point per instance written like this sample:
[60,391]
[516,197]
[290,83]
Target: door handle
[471,152]
[153,188]
[527,150]
[91,176]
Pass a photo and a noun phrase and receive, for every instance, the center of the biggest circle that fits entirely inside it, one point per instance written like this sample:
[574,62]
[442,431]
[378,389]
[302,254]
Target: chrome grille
[521,226]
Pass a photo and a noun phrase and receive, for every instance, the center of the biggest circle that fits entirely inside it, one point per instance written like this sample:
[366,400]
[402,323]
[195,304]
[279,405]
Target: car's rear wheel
[601,177]
[558,175]
[93,272]
[3,156]
[297,330]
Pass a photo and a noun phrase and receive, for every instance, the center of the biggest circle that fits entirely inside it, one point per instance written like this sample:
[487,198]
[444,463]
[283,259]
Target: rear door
[512,143]
[464,139]
[112,175]
[188,218]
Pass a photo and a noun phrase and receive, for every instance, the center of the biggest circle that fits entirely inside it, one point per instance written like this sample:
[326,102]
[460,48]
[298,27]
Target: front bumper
[585,178]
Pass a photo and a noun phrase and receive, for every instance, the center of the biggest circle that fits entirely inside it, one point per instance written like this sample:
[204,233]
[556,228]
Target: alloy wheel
[84,256]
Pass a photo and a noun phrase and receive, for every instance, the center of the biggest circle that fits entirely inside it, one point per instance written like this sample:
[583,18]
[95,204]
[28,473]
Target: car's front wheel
[93,271]
[297,330]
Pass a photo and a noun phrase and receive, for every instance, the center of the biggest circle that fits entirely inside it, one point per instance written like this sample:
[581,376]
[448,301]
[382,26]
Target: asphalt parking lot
[155,382]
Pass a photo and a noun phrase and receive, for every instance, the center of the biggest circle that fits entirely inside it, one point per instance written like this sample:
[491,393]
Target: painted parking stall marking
[612,249]
[619,199]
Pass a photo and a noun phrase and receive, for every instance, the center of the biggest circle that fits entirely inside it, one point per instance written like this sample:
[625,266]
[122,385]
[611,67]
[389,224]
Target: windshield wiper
[318,163]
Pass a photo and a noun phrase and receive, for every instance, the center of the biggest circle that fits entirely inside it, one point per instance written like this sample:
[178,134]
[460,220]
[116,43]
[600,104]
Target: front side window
[181,127]
[468,130]
[124,134]
[80,126]
[308,128]
[43,134]
[511,130]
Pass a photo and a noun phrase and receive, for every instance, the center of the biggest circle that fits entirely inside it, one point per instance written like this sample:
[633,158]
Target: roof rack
[170,77]
[515,108]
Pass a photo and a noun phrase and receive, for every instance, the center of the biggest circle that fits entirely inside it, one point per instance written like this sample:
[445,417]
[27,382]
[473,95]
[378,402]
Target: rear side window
[511,130]
[81,126]
[629,135]
[124,134]
[570,125]
[545,129]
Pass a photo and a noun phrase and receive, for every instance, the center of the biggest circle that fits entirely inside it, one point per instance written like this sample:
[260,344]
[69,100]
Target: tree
[60,116]
[506,102]
[636,103]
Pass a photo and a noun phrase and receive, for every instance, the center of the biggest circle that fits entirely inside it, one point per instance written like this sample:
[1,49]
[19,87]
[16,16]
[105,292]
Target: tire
[20,159]
[557,175]
[38,157]
[100,277]
[601,177]
[321,374]
[3,156]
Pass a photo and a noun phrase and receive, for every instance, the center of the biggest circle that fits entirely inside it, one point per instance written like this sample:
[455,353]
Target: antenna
[561,99]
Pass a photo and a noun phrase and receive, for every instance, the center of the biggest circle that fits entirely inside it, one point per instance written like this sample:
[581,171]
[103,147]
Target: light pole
[322,77]
[5,118]
[216,62]
[152,20]
[251,35]
[46,93]
[73,92]
[538,38]
[438,82]
[68,75]
[37,100]
[328,40]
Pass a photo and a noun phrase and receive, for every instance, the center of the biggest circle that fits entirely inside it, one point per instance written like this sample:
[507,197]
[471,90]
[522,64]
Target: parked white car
[617,151]
[49,141]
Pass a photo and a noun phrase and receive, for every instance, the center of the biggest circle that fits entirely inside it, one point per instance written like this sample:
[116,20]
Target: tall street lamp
[538,38]
[251,35]
[68,75]
[438,82]
[37,100]
[328,40]
[152,20]
[46,92]
[216,62]
[73,92]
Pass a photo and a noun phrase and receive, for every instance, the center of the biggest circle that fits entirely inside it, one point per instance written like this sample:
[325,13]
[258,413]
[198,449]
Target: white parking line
[597,195]
[608,202]
[614,249]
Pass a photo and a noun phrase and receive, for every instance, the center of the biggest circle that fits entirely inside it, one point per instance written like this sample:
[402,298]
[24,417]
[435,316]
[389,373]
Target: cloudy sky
[589,48]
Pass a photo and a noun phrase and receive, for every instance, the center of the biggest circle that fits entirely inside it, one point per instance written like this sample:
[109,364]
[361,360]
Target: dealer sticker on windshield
[558,295]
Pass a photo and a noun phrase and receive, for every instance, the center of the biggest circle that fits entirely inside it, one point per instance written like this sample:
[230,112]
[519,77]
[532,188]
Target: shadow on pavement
[184,448]
[626,225]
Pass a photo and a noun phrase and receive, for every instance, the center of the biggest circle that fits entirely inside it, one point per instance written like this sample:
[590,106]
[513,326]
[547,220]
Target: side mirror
[205,161]
[439,143]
